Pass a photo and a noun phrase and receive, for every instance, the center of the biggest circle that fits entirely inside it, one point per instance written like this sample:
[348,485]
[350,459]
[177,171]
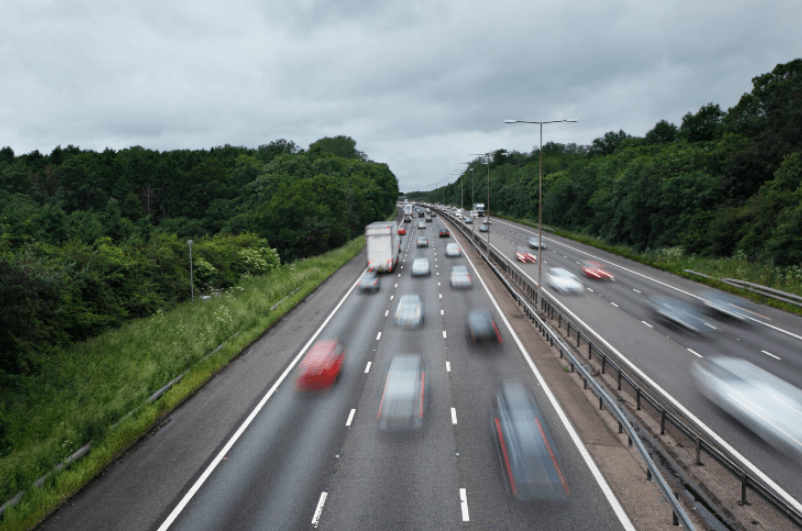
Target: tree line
[722,182]
[89,239]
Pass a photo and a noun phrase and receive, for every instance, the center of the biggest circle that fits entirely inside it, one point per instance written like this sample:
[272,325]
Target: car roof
[320,352]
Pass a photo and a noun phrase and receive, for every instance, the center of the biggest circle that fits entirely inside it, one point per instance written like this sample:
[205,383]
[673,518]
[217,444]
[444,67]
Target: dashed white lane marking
[614,304]
[441,295]
[448,366]
[438,283]
[590,290]
[444,334]
[695,353]
[378,336]
[319,509]
[396,285]
[391,297]
[463,501]
[441,312]
[636,290]
[386,313]
[399,274]
[647,324]
[770,354]
[350,417]
[367,368]
[453,415]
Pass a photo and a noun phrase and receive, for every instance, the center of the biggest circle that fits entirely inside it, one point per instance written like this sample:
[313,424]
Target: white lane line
[636,290]
[695,353]
[441,295]
[711,326]
[378,336]
[647,324]
[367,368]
[386,313]
[319,509]
[453,415]
[463,502]
[614,304]
[396,285]
[444,334]
[770,354]
[391,297]
[181,505]
[350,418]
[438,283]
[448,366]
[590,290]
[399,274]
[441,312]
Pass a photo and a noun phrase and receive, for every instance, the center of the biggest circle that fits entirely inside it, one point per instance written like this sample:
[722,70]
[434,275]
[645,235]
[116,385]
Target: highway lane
[618,312]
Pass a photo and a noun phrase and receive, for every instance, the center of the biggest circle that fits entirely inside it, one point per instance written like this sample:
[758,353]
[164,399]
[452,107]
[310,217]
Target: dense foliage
[88,239]
[720,183]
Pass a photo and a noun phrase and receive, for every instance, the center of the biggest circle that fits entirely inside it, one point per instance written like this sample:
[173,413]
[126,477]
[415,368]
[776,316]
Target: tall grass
[87,388]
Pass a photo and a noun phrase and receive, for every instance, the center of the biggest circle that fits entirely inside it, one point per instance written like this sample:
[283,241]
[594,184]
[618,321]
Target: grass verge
[86,389]
[674,260]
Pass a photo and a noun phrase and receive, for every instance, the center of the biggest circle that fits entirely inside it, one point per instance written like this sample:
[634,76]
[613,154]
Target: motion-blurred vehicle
[530,461]
[728,305]
[459,277]
[420,267]
[422,241]
[383,245]
[468,219]
[564,281]
[409,313]
[402,231]
[320,367]
[452,249]
[679,314]
[481,329]
[523,255]
[483,227]
[404,399]
[422,225]
[535,243]
[596,271]
[369,281]
[428,219]
[761,401]
[444,233]
[407,219]
[434,214]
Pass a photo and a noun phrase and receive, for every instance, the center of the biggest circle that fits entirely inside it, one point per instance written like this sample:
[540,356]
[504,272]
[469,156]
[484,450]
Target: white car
[564,281]
[420,267]
[452,249]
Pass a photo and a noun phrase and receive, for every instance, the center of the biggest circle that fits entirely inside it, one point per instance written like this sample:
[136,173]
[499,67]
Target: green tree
[705,125]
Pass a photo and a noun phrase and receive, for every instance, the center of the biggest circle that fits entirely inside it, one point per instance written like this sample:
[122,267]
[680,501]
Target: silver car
[409,313]
[403,402]
[459,277]
[420,267]
[564,281]
[452,249]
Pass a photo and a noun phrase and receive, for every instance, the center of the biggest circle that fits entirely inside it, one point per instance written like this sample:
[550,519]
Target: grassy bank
[88,388]
[674,260]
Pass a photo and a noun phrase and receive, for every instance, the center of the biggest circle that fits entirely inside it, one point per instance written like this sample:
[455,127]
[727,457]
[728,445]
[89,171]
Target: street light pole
[487,210]
[540,201]
[191,280]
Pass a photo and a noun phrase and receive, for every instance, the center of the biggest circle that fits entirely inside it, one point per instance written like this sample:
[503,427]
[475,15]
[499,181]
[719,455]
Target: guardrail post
[619,379]
[698,451]
[648,474]
[578,336]
[675,519]
[590,354]
[572,367]
[663,421]
[601,404]
[559,320]
[637,397]
[585,383]
[744,480]
[604,363]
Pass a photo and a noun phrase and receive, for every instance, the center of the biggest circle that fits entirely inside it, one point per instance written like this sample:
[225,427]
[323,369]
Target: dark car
[481,329]
[535,243]
[423,241]
[483,227]
[369,282]
[320,368]
[403,402]
[530,460]
[444,233]
[729,306]
[679,314]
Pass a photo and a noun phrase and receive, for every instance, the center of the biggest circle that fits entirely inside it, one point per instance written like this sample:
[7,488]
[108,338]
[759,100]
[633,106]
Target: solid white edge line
[647,324]
[695,353]
[247,422]
[710,433]
[770,354]
[594,470]
[463,502]
[319,509]
[453,415]
[614,304]
[367,368]
[350,418]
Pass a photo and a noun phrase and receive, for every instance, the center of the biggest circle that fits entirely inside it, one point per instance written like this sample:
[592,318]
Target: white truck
[384,246]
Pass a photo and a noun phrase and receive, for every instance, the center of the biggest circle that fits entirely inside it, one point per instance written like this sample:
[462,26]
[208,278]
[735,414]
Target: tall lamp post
[487,210]
[540,199]
[191,280]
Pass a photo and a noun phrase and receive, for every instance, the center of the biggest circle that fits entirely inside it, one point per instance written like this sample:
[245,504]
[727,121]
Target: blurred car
[761,401]
[530,461]
[481,329]
[468,219]
[422,225]
[423,241]
[420,267]
[728,305]
[404,399]
[369,281]
[564,281]
[407,219]
[402,231]
[483,227]
[409,313]
[459,277]
[444,233]
[428,218]
[320,367]
[596,271]
[523,255]
[434,214]
[679,314]
[535,243]
[452,249]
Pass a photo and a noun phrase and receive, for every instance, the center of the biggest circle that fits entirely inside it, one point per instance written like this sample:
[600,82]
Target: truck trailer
[384,246]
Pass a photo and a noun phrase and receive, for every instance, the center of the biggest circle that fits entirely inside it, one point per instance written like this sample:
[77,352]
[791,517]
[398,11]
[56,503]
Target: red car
[596,271]
[402,231]
[523,255]
[321,366]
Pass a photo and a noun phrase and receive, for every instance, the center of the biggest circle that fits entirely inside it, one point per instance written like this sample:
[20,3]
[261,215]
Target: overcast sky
[418,84]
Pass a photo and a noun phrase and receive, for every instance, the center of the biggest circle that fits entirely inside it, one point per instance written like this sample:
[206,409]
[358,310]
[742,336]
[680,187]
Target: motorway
[617,313]
[297,460]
